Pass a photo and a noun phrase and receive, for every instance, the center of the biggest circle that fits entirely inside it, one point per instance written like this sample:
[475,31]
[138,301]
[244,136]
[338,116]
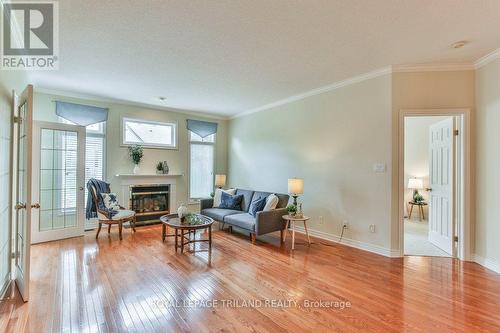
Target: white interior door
[58,181]
[23,191]
[441,226]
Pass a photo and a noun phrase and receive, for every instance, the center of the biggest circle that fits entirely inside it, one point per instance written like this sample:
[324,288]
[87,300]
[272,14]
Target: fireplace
[150,201]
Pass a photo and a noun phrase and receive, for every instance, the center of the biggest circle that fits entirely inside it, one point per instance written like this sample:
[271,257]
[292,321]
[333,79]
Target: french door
[58,181]
[23,207]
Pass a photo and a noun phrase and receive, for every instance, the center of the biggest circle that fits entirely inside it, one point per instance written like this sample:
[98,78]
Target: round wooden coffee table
[188,226]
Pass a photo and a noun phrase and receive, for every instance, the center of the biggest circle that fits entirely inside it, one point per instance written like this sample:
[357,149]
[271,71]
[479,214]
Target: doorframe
[462,177]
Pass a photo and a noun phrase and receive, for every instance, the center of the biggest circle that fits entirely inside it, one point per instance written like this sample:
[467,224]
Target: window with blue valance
[202,128]
[79,114]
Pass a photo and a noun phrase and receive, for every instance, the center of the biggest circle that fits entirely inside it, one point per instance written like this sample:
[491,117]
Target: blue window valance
[202,128]
[83,115]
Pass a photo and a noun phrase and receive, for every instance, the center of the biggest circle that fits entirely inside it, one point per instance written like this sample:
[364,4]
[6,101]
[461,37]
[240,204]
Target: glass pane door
[58,183]
[58,190]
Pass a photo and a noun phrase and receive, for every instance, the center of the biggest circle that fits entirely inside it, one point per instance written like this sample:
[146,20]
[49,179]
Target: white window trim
[146,145]
[214,144]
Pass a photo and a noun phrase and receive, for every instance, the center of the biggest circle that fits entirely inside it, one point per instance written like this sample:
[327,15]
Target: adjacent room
[249,166]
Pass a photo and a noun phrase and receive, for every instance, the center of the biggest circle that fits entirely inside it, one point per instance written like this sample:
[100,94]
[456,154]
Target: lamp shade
[295,186]
[415,183]
[220,180]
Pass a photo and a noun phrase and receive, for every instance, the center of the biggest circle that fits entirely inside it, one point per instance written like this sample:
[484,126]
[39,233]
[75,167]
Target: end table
[290,220]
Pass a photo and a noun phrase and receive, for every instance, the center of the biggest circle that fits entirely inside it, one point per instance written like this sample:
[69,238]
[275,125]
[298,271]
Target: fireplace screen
[150,201]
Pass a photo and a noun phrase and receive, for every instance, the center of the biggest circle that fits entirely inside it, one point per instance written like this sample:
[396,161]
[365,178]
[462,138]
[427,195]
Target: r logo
[36,24]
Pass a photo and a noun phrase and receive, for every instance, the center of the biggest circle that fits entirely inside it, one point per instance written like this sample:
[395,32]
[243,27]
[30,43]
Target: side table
[290,221]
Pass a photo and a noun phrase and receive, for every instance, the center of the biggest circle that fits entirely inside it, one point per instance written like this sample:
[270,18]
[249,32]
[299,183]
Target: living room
[243,166]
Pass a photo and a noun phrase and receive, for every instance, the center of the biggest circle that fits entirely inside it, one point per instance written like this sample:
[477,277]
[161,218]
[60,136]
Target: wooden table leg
[176,239]
[423,215]
[307,233]
[210,238]
[293,235]
[411,211]
[419,212]
[286,230]
[163,231]
[182,241]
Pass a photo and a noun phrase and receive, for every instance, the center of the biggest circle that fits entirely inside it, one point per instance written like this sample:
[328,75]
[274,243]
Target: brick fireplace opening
[150,202]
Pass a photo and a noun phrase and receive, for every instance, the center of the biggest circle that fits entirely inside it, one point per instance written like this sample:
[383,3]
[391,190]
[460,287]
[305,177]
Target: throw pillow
[218,196]
[271,202]
[257,206]
[110,201]
[229,201]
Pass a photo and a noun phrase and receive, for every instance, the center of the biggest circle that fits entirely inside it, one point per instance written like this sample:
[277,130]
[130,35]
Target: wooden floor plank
[141,285]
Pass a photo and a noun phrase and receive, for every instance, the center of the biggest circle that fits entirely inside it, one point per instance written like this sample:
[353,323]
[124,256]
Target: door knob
[428,189]
[20,206]
[37,206]
[81,188]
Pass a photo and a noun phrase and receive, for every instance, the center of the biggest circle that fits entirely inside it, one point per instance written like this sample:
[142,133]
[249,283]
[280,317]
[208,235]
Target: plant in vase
[292,209]
[159,168]
[136,153]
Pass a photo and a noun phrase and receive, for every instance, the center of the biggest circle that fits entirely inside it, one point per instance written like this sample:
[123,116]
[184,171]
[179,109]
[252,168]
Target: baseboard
[488,263]
[351,242]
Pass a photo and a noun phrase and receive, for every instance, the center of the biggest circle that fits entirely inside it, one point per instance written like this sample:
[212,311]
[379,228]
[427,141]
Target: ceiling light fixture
[459,44]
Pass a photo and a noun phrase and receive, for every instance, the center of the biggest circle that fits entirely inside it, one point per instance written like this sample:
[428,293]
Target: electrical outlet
[321,220]
[372,228]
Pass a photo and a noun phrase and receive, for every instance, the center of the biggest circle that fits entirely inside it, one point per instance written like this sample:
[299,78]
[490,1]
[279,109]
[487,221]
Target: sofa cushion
[271,202]
[229,201]
[218,195]
[282,198]
[247,199]
[218,214]
[242,220]
[257,206]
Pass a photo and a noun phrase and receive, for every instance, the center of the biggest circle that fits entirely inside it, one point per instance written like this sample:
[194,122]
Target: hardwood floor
[131,286]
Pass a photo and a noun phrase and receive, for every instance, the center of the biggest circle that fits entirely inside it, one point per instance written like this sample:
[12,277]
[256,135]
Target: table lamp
[295,187]
[220,181]
[415,184]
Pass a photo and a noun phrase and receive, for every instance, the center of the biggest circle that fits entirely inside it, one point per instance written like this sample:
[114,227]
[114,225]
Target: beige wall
[9,80]
[332,141]
[488,163]
[118,162]
[425,90]
[417,154]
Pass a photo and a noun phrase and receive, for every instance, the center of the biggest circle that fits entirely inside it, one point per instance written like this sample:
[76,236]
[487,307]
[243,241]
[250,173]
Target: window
[201,165]
[95,149]
[149,133]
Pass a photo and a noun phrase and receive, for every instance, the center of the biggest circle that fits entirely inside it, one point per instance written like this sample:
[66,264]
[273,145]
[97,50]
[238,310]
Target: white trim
[148,145]
[464,216]
[487,59]
[102,99]
[331,87]
[350,242]
[488,263]
[433,67]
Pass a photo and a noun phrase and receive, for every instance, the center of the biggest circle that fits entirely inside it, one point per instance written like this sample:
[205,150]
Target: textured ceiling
[226,57]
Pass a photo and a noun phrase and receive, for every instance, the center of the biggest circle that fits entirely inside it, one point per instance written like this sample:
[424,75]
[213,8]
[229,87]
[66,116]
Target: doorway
[434,182]
[420,239]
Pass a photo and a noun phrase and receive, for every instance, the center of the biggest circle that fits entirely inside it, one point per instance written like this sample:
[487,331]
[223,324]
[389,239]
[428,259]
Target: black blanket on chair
[91,209]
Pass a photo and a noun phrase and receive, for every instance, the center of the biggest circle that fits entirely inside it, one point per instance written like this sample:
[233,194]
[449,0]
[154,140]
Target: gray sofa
[262,223]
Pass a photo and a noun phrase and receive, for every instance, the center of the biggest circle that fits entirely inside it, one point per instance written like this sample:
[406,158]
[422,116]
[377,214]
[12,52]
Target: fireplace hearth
[150,202]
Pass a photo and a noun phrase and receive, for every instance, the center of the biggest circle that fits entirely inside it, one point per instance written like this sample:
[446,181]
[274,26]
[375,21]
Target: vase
[165,167]
[182,211]
[136,169]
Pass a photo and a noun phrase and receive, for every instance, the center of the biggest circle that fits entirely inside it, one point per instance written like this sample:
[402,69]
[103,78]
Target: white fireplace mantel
[127,180]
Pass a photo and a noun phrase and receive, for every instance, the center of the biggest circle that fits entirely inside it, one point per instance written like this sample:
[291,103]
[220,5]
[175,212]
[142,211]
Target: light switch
[379,168]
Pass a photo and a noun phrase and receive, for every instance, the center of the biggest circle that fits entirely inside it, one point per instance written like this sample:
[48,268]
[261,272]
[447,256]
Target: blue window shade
[202,128]
[83,115]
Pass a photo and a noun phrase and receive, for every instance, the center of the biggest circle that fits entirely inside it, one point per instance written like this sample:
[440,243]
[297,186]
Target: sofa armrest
[206,203]
[269,221]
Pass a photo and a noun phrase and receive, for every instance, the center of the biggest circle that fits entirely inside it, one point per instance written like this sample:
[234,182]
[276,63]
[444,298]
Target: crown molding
[487,59]
[102,99]
[330,87]
[411,68]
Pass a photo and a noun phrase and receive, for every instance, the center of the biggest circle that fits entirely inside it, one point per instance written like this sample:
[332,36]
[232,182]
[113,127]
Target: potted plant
[136,153]
[159,168]
[292,209]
